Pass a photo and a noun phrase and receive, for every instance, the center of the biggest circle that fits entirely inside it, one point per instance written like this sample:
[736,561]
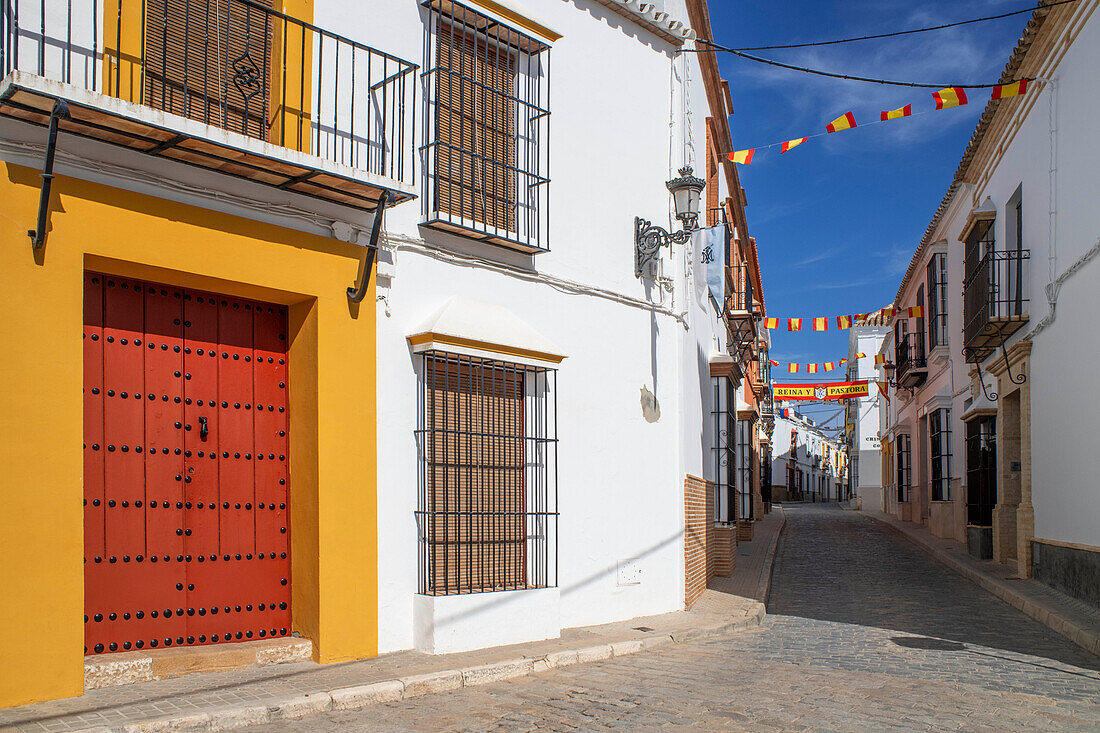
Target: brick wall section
[698,529]
[723,550]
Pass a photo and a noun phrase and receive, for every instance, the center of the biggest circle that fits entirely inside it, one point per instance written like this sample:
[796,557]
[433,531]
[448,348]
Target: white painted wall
[1064,460]
[616,87]
[865,439]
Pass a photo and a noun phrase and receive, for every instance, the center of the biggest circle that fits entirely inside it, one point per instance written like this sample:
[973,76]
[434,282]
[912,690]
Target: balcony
[739,312]
[226,85]
[911,360]
[995,303]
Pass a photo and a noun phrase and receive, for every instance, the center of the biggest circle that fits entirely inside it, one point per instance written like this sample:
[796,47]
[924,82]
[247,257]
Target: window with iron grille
[939,430]
[487,509]
[937,300]
[981,471]
[744,469]
[725,458]
[487,144]
[904,467]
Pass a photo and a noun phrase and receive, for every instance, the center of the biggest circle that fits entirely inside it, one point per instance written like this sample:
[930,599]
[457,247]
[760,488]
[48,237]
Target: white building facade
[861,418]
[980,447]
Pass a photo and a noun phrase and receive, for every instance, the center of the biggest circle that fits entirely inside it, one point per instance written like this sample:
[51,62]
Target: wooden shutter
[195,48]
[476,118]
[476,488]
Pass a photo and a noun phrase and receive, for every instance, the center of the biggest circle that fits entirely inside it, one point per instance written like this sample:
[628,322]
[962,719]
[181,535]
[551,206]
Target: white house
[981,446]
[808,462]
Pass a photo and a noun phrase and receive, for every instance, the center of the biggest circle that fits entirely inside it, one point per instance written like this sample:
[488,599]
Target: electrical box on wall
[630,572]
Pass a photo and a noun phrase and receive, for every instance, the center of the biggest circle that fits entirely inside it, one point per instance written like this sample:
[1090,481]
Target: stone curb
[358,697]
[1087,639]
[764,587]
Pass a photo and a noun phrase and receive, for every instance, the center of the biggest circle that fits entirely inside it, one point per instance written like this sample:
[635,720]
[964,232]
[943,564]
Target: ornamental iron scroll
[648,240]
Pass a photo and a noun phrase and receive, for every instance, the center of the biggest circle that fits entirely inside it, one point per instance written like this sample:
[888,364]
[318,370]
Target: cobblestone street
[864,631]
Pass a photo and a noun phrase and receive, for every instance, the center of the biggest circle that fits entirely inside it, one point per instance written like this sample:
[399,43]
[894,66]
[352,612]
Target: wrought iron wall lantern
[890,380]
[648,238]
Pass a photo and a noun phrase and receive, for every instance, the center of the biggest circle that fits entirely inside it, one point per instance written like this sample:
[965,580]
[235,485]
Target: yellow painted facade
[332,410]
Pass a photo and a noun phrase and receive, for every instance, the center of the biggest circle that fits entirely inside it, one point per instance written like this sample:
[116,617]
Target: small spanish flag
[860,355]
[843,322]
[771,323]
[829,366]
[843,361]
[744,157]
[1014,89]
[845,122]
[773,363]
[792,368]
[860,316]
[880,359]
[916,311]
[894,114]
[794,324]
[889,312]
[792,144]
[821,324]
[811,368]
[949,97]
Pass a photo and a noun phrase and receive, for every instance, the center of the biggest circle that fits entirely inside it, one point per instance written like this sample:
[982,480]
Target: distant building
[861,419]
[808,462]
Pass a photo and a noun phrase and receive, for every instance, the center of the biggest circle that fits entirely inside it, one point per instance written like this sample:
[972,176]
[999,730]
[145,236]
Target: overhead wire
[894,33]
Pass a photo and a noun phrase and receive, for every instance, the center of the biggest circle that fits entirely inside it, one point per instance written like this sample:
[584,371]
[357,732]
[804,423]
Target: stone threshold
[126,668]
[1061,613]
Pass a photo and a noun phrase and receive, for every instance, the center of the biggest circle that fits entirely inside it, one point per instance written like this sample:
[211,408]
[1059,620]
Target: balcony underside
[31,98]
[914,376]
[992,335]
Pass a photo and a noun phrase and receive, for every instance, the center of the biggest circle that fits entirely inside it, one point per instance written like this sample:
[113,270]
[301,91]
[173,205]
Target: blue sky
[836,220]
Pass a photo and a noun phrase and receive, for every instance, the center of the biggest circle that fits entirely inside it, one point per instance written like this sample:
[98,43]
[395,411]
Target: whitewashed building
[808,461]
[861,417]
[977,440]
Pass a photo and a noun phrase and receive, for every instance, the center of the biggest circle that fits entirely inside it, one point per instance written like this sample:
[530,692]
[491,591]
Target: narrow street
[864,631]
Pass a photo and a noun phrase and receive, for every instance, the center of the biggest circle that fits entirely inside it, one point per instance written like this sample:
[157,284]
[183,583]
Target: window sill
[471,229]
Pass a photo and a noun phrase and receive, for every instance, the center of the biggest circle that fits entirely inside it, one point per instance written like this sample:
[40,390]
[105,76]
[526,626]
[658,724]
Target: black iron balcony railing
[739,315]
[235,64]
[995,302]
[911,360]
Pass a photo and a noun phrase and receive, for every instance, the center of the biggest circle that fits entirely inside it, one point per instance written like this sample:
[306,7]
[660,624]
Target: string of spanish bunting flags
[945,98]
[821,323]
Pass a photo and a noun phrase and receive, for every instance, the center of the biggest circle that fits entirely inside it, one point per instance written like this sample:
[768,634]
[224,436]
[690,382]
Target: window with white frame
[904,467]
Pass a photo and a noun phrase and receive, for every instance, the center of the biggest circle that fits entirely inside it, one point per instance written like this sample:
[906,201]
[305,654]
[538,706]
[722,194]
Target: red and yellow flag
[792,144]
[771,323]
[792,368]
[821,324]
[829,366]
[794,324]
[916,311]
[773,363]
[744,157]
[860,355]
[845,122]
[843,361]
[843,322]
[949,97]
[1014,89]
[811,368]
[894,114]
[889,312]
[880,359]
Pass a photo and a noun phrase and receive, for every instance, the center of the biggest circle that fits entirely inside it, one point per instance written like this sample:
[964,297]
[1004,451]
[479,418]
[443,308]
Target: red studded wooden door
[186,532]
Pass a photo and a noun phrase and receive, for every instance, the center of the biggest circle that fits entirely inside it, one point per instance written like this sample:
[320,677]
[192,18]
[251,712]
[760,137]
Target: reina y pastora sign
[821,391]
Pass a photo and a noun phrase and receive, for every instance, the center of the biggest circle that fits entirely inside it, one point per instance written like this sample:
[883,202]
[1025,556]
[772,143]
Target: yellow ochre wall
[332,410]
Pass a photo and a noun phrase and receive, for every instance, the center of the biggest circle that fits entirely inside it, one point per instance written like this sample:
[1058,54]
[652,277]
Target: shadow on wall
[834,565]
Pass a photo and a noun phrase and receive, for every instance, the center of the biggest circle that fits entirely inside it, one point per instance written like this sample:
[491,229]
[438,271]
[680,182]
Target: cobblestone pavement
[865,632]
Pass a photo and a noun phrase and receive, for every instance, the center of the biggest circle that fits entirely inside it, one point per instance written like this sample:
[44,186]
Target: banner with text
[820,391]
